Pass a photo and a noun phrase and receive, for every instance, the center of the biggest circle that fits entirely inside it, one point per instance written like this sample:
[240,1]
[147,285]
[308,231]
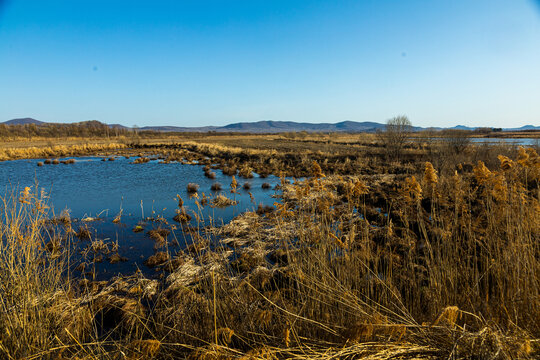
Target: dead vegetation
[141,160]
[221,201]
[56,151]
[192,188]
[423,260]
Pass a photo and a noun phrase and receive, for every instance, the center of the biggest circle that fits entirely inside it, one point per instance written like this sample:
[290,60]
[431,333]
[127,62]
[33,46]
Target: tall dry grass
[446,260]
[56,151]
[36,313]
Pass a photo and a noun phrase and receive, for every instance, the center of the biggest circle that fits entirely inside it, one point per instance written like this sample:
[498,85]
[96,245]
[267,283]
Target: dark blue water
[101,189]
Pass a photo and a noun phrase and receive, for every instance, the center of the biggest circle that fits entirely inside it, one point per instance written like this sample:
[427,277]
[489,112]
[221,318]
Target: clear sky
[197,62]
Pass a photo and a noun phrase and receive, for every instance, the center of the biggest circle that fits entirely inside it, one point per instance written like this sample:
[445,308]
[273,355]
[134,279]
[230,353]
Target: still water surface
[99,189]
[511,141]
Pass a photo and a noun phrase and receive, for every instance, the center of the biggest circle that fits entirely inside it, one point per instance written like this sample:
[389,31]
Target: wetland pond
[507,141]
[94,192]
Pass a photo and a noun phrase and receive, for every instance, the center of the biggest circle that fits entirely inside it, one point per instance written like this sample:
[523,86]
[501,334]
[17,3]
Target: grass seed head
[430,175]
[481,173]
[316,170]
[506,163]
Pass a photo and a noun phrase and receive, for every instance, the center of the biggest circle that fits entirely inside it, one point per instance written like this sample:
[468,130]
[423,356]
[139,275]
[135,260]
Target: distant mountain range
[267,126]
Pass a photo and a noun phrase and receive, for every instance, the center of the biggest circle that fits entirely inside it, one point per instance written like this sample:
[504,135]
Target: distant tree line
[82,130]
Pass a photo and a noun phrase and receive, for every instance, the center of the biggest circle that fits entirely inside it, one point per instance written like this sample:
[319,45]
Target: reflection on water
[102,189]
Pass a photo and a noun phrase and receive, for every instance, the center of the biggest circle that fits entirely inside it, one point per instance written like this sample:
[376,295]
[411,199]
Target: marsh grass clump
[247,261]
[84,233]
[246,172]
[216,186]
[209,173]
[157,259]
[116,258]
[159,233]
[182,216]
[192,188]
[63,219]
[222,201]
[173,264]
[229,170]
[266,209]
[99,246]
[141,160]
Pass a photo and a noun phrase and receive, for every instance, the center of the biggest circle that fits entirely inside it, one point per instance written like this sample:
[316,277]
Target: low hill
[23,121]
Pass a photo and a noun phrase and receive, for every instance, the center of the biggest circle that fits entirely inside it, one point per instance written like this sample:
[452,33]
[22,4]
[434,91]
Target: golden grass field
[433,254]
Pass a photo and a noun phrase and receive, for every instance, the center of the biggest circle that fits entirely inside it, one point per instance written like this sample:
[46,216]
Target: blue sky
[196,62]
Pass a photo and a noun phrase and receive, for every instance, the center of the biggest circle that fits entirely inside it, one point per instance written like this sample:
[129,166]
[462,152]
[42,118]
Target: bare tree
[395,134]
[456,141]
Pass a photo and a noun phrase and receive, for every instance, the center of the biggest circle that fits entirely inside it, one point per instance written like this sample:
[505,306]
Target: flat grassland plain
[426,249]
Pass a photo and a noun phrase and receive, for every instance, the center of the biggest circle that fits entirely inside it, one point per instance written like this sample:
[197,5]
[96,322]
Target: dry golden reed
[359,188]
[430,175]
[56,151]
[482,173]
[411,190]
[506,162]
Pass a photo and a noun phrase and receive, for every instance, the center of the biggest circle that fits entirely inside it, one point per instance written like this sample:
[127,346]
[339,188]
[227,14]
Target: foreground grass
[411,264]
